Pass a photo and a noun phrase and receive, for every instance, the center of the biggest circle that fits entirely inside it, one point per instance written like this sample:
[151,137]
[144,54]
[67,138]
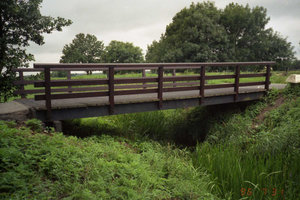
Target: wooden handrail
[112,86]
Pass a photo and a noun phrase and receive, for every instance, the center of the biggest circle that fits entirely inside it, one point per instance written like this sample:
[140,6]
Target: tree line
[198,33]
[88,49]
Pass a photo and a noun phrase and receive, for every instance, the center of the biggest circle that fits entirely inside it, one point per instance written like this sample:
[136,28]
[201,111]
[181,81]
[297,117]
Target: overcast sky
[142,21]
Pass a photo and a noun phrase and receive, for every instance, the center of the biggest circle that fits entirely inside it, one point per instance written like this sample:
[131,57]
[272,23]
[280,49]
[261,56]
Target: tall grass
[261,163]
[36,165]
[239,174]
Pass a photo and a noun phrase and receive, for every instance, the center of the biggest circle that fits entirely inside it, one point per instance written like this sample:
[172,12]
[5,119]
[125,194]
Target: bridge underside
[99,106]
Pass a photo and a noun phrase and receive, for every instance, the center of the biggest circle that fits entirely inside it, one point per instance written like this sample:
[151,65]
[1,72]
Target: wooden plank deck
[99,106]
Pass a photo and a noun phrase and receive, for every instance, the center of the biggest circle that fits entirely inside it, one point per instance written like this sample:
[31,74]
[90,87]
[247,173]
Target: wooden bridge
[60,99]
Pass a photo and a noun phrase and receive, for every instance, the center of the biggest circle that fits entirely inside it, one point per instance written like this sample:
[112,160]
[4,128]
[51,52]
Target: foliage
[83,49]
[250,162]
[21,23]
[204,33]
[39,166]
[123,52]
[193,36]
[240,160]
[292,91]
[59,74]
[34,125]
[247,174]
[249,39]
[280,130]
[155,125]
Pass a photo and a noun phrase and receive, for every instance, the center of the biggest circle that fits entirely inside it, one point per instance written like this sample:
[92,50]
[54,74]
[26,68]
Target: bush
[35,125]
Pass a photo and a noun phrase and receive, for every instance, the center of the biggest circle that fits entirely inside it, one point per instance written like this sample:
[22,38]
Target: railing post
[160,86]
[144,75]
[69,78]
[111,89]
[47,92]
[202,84]
[237,82]
[22,88]
[174,74]
[268,74]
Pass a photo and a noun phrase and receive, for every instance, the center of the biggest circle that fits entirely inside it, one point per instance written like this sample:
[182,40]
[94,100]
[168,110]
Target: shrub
[35,125]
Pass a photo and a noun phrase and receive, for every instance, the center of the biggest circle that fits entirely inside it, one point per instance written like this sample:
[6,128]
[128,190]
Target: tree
[194,35]
[203,33]
[83,49]
[123,52]
[20,23]
[249,39]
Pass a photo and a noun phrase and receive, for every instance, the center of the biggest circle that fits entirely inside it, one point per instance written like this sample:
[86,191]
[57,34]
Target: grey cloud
[142,21]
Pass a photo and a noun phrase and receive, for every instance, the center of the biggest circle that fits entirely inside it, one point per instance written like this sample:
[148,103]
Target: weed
[35,125]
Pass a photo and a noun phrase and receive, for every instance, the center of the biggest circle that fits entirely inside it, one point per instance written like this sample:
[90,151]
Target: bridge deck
[137,98]
[99,106]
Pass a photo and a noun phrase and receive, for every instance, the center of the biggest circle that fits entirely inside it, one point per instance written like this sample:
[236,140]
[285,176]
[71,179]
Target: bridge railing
[112,85]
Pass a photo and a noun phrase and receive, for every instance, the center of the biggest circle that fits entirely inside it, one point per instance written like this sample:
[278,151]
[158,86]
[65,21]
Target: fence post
[237,82]
[22,88]
[202,84]
[47,92]
[268,74]
[144,75]
[111,88]
[160,86]
[69,78]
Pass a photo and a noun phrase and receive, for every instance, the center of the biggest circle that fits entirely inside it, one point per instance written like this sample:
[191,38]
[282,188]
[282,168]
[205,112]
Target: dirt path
[260,118]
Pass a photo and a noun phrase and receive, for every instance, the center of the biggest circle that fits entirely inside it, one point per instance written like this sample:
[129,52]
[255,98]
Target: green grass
[52,166]
[239,174]
[253,163]
[133,156]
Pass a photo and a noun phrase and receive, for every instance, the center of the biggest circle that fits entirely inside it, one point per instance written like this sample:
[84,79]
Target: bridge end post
[268,74]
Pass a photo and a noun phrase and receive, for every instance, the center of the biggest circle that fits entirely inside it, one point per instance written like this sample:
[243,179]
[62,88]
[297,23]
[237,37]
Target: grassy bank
[255,162]
[49,165]
[240,151]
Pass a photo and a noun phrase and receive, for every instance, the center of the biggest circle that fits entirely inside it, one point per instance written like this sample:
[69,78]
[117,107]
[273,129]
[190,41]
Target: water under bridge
[164,88]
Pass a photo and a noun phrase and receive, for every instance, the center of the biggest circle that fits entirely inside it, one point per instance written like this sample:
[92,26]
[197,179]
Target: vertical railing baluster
[160,86]
[237,82]
[48,92]
[202,84]
[144,75]
[69,78]
[268,74]
[111,88]
[22,88]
